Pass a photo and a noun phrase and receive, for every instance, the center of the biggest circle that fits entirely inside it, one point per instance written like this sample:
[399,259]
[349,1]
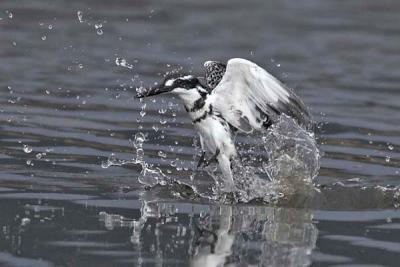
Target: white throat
[189,96]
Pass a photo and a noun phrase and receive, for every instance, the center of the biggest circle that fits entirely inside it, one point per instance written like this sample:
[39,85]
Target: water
[66,97]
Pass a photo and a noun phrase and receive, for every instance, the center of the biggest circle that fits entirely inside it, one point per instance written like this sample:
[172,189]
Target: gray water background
[62,94]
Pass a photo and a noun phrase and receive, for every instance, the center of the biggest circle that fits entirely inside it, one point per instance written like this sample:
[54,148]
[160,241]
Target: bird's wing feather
[248,97]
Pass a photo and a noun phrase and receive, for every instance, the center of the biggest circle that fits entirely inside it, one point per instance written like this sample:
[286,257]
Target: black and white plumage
[243,97]
[250,98]
[214,72]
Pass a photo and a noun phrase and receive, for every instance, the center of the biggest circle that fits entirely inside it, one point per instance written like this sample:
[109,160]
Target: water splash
[149,175]
[112,161]
[293,154]
[278,163]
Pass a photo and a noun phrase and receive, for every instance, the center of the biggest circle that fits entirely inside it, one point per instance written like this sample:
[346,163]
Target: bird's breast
[215,132]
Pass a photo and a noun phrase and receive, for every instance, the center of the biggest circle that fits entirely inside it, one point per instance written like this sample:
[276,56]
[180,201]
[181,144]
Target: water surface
[66,107]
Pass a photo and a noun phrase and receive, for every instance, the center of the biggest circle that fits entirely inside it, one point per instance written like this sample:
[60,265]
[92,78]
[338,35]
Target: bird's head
[182,85]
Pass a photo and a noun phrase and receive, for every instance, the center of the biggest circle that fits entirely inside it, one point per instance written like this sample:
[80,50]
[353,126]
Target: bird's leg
[203,152]
[225,165]
[206,162]
[213,158]
[202,159]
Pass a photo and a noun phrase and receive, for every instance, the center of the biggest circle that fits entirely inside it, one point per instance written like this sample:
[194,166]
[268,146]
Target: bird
[239,97]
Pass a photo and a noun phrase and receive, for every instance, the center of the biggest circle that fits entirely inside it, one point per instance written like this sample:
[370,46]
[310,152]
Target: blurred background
[68,73]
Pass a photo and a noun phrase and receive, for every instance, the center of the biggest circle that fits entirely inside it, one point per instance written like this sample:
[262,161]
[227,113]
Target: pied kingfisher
[238,97]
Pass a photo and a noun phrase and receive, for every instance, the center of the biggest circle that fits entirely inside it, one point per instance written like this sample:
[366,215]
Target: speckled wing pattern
[214,72]
[249,98]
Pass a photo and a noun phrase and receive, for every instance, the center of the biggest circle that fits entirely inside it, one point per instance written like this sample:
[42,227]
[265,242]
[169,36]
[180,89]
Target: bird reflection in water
[216,235]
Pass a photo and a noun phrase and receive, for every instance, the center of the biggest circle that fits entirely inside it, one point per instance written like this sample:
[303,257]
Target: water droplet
[39,156]
[50,27]
[387,159]
[173,163]
[163,121]
[162,111]
[29,162]
[391,147]
[388,219]
[47,92]
[142,113]
[27,149]
[10,15]
[44,37]
[80,65]
[98,27]
[25,221]
[155,128]
[162,154]
[80,16]
[14,43]
[123,63]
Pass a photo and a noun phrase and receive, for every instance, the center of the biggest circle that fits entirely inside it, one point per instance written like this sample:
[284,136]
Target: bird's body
[216,137]
[241,98]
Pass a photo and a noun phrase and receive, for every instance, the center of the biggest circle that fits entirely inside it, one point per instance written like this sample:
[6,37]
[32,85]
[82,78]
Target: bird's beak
[155,90]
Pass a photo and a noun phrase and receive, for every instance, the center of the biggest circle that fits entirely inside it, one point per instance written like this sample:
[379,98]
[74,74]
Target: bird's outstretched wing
[248,97]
